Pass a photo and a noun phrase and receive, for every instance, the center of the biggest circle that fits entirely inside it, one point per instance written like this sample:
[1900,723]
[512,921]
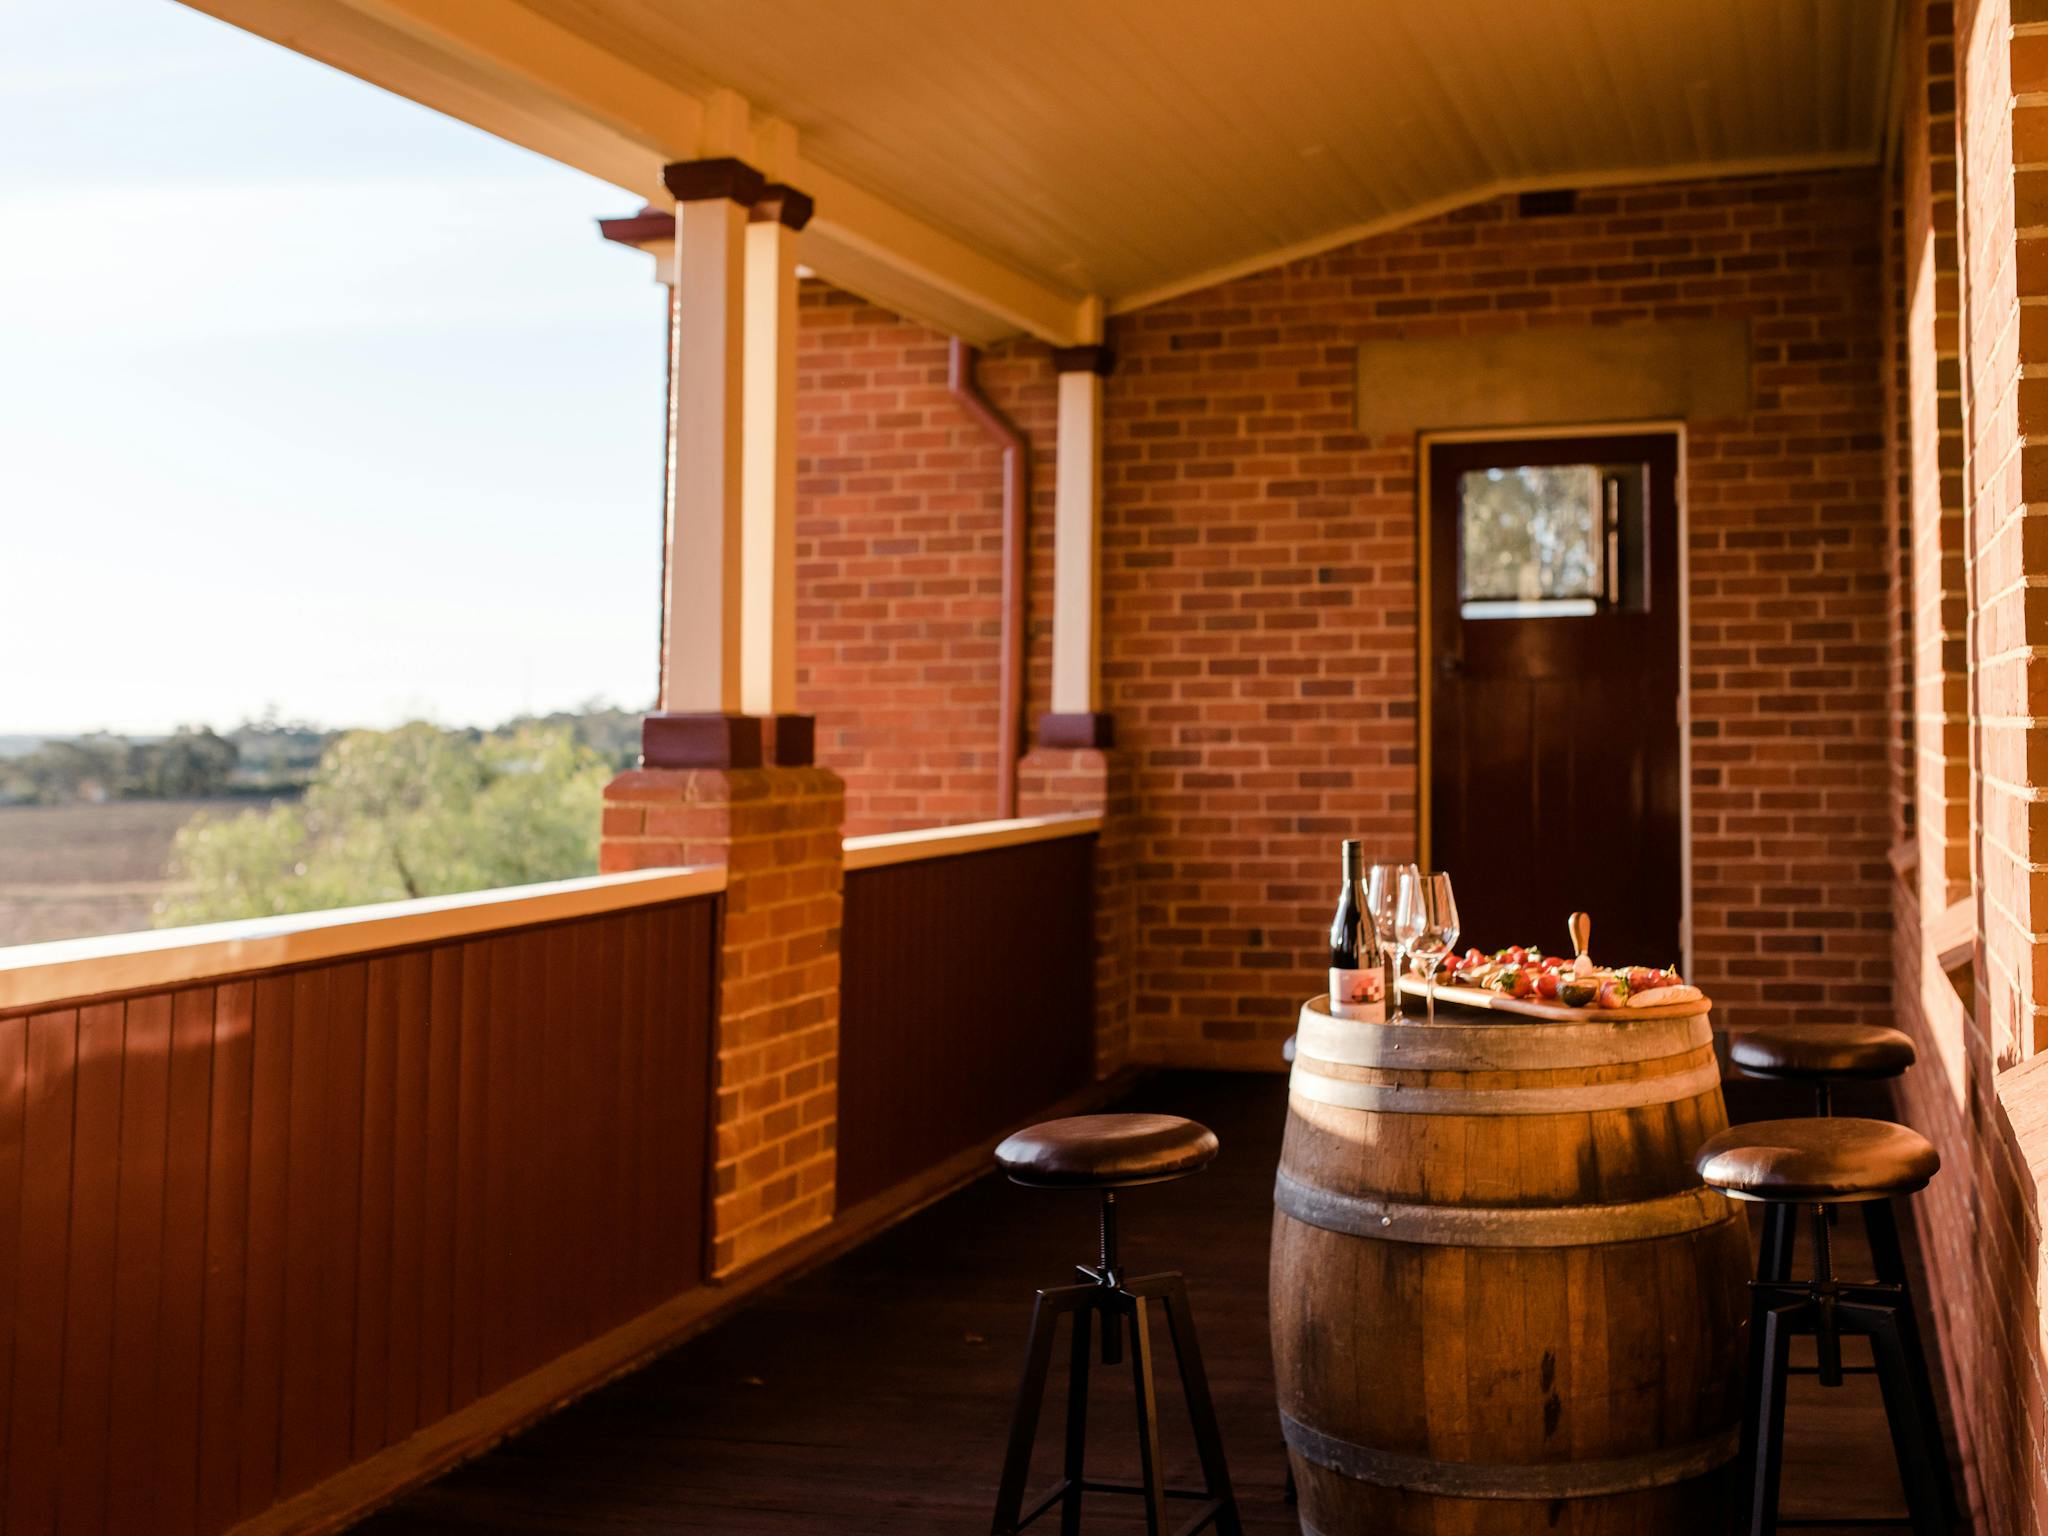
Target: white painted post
[1077,534]
[768,546]
[701,646]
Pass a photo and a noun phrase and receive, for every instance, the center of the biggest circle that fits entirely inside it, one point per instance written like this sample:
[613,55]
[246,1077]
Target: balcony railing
[968,988]
[288,1190]
[302,1209]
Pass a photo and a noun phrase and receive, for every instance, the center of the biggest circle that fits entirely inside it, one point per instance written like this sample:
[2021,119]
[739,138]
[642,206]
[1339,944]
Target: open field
[67,871]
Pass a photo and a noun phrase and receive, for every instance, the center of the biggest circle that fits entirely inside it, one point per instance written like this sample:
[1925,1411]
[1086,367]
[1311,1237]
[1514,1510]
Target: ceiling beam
[410,61]
[858,241]
[515,74]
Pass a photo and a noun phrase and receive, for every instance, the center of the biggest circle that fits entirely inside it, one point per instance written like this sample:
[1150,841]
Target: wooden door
[1554,770]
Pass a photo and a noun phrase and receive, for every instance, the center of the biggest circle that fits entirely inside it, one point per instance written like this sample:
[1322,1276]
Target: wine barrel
[1502,1301]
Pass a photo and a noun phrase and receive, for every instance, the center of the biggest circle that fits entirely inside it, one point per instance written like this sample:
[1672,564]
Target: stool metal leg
[1109,1304]
[1901,1375]
[1826,1309]
[1766,1440]
[1915,1389]
[1920,1374]
[1148,1417]
[1077,1423]
[1887,1258]
[1781,1225]
[1756,1372]
[1045,1315]
[1194,1379]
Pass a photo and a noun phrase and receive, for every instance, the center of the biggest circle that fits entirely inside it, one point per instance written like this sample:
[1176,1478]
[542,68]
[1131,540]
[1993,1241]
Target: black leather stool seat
[1817,1161]
[1822,1051]
[1107,1151]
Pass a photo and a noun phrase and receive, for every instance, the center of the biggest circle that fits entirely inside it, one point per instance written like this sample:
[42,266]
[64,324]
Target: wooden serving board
[1550,1013]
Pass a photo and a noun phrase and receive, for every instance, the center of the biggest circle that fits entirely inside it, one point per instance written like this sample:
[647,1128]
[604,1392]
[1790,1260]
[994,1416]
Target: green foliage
[268,756]
[1530,532]
[278,754]
[418,811]
[612,733]
[191,764]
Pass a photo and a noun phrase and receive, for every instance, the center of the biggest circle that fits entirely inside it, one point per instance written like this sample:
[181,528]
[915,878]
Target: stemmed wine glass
[1383,899]
[1426,922]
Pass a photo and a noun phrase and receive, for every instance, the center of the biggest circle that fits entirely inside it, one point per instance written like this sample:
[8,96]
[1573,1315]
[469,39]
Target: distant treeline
[267,757]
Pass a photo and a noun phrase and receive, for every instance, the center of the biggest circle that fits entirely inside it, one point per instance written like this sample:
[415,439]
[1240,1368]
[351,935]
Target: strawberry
[1514,981]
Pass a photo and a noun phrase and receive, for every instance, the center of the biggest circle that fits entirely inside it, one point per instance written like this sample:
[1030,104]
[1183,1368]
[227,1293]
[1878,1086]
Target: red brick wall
[1972,281]
[1259,647]
[899,551]
[1260,581]
[1931,607]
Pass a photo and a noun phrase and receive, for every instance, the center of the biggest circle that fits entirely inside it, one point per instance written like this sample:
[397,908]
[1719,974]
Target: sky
[310,399]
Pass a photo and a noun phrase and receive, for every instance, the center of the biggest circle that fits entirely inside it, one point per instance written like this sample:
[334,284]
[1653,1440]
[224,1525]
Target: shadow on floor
[873,1394]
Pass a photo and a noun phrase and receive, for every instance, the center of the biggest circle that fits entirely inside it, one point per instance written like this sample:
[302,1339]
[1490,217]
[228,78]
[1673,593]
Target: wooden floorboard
[873,1394]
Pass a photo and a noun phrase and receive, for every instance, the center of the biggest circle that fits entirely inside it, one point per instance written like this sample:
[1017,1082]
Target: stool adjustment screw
[1109,1279]
[1106,1268]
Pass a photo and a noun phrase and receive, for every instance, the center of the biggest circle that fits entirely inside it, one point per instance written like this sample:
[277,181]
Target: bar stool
[1824,1055]
[1107,1153]
[1818,1164]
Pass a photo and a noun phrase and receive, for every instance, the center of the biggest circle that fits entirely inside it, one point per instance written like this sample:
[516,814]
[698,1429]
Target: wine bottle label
[1360,995]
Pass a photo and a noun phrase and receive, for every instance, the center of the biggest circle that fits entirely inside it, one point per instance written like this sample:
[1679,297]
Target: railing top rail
[38,975]
[972,837]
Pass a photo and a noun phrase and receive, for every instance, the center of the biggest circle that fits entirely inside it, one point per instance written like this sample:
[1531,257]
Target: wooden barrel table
[1502,1301]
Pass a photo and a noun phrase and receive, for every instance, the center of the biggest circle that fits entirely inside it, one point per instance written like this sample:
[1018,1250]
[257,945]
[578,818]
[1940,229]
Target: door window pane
[1531,541]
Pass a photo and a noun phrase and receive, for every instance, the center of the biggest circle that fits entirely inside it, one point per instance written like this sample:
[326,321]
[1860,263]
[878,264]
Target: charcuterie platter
[1555,1013]
[1524,980]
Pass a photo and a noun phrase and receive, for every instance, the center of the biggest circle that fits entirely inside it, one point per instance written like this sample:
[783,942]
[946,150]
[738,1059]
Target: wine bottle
[1358,971]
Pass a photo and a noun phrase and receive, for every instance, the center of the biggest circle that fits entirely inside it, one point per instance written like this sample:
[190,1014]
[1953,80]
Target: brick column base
[775,1072]
[1056,780]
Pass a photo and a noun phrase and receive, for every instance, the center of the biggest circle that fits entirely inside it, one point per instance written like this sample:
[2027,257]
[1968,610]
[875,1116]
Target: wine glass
[1426,922]
[1383,900]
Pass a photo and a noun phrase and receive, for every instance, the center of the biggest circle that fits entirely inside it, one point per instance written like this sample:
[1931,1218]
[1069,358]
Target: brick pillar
[775,1071]
[1058,780]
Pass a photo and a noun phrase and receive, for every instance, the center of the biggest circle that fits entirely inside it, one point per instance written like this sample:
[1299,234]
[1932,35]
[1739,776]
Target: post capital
[700,181]
[1097,359]
[781,204]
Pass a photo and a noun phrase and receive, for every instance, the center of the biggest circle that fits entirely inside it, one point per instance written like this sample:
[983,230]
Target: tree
[418,811]
[611,732]
[189,765]
[1530,532]
[85,767]
[277,753]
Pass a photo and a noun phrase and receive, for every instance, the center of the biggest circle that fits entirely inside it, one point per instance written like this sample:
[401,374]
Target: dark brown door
[1553,677]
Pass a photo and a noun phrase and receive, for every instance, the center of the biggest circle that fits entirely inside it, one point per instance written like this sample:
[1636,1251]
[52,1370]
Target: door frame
[1424,673]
